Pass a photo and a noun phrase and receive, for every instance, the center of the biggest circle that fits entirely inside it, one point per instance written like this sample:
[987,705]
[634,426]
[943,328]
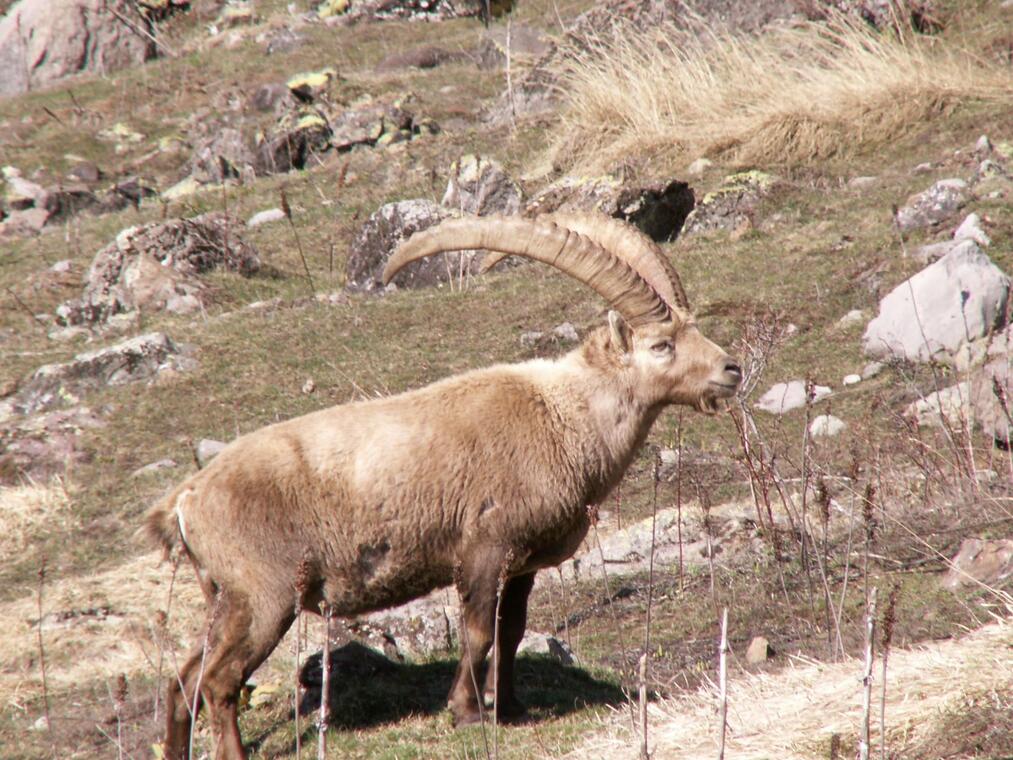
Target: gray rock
[297,136]
[161,464]
[970,229]
[566,332]
[935,205]
[659,209]
[759,650]
[21,194]
[992,390]
[384,231]
[376,121]
[981,561]
[852,318]
[27,223]
[949,407]
[862,183]
[872,369]
[419,628]
[225,154]
[826,426]
[480,186]
[42,41]
[930,252]
[983,146]
[699,167]
[43,445]
[267,216]
[148,267]
[547,646]
[931,315]
[923,168]
[207,449]
[783,397]
[423,57]
[734,204]
[852,379]
[133,360]
[531,338]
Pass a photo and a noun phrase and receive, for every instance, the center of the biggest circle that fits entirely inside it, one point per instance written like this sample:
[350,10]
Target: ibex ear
[620,332]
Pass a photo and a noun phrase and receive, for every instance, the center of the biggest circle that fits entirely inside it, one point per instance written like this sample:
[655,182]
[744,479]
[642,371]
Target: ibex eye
[662,346]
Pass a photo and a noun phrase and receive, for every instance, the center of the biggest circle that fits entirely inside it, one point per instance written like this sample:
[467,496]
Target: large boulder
[659,209]
[783,397]
[42,41]
[733,205]
[957,299]
[384,231]
[155,266]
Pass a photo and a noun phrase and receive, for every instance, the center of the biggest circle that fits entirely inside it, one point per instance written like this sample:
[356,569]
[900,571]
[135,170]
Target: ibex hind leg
[499,687]
[240,640]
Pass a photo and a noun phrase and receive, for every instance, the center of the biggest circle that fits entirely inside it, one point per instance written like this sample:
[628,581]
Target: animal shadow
[368,689]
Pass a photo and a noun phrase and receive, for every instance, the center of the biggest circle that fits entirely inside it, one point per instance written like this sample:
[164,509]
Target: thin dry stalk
[42,654]
[301,586]
[678,503]
[325,683]
[870,638]
[192,708]
[500,585]
[287,209]
[889,618]
[723,683]
[119,705]
[642,692]
[162,630]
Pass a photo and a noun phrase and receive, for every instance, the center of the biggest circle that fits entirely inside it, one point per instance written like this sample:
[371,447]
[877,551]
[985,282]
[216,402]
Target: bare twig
[298,243]
[644,752]
[301,586]
[42,653]
[870,634]
[143,33]
[325,683]
[723,682]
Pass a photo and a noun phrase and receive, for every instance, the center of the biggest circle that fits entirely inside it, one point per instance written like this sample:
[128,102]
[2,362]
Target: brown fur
[484,476]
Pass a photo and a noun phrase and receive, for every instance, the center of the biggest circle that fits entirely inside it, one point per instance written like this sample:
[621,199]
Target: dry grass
[795,712]
[28,508]
[790,96]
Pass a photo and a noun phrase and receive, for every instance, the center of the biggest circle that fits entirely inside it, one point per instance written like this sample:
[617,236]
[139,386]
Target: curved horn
[541,240]
[627,243]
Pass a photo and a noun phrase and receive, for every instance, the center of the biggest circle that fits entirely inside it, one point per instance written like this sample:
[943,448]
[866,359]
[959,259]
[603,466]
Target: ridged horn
[626,242]
[541,240]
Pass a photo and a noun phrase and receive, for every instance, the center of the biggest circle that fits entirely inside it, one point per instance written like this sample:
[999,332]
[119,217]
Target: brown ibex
[478,477]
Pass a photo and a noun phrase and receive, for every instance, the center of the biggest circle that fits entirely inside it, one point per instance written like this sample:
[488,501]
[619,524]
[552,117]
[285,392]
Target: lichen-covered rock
[374,121]
[479,185]
[412,10]
[547,646]
[957,299]
[932,206]
[42,41]
[58,385]
[329,8]
[40,446]
[384,231]
[225,154]
[659,209]
[297,136]
[420,628]
[734,204]
[152,266]
[310,85]
[992,390]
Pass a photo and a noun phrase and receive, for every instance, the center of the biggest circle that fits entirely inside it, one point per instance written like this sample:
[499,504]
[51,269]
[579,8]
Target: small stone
[161,464]
[699,167]
[530,338]
[566,332]
[783,397]
[550,646]
[862,183]
[182,303]
[852,318]
[265,217]
[852,379]
[759,650]
[970,229]
[68,334]
[924,168]
[309,386]
[983,146]
[871,370]
[62,267]
[208,449]
[826,426]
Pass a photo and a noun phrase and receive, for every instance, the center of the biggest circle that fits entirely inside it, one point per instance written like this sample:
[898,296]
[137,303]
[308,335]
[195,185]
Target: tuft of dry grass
[29,508]
[790,96]
[796,713]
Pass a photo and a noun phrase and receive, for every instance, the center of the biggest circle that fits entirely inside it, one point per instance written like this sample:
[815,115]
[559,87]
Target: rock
[423,57]
[983,146]
[66,200]
[531,338]
[783,397]
[43,445]
[329,8]
[931,315]
[935,205]
[27,223]
[826,426]
[851,380]
[374,121]
[266,216]
[970,229]
[659,209]
[852,318]
[185,187]
[68,334]
[85,171]
[759,650]
[134,360]
[992,390]
[161,464]
[419,628]
[224,155]
[547,646]
[699,167]
[527,45]
[120,133]
[862,183]
[566,332]
[310,85]
[949,407]
[872,369]
[296,137]
[42,41]
[981,561]
[480,186]
[207,449]
[384,231]
[384,10]
[146,267]
[20,193]
[272,97]
[734,204]
[235,14]
[930,252]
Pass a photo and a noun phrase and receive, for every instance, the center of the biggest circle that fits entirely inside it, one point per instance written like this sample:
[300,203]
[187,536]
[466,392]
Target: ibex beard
[479,480]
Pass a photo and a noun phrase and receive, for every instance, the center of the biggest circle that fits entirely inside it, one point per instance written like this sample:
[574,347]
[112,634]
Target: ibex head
[651,338]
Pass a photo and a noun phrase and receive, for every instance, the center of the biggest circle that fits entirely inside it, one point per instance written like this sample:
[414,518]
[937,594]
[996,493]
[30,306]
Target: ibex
[480,479]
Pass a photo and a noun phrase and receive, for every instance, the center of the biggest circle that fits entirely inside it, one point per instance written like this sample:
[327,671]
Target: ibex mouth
[708,404]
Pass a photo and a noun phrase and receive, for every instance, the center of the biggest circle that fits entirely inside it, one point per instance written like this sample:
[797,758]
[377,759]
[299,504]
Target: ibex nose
[733,369]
